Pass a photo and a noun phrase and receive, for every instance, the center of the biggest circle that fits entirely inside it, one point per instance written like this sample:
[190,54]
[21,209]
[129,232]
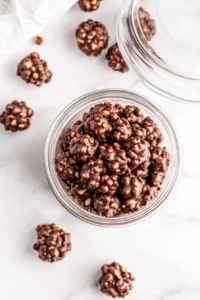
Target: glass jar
[169,63]
[73,112]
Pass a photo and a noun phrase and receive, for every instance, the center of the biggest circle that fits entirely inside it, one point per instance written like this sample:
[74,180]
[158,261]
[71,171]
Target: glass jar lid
[169,62]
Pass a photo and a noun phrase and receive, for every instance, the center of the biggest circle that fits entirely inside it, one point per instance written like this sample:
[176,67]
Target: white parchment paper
[22,19]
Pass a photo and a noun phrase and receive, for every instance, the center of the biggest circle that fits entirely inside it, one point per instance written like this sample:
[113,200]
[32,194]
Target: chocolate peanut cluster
[148,25]
[17,116]
[115,281]
[92,37]
[89,5]
[34,70]
[53,243]
[112,161]
[115,59]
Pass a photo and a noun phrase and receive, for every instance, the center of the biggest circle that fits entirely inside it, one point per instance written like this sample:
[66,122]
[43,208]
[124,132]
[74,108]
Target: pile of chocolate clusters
[112,161]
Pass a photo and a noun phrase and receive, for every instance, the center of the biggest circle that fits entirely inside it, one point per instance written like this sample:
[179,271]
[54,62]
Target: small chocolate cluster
[53,243]
[111,161]
[89,5]
[17,116]
[115,281]
[92,37]
[34,70]
[115,59]
[148,25]
[39,40]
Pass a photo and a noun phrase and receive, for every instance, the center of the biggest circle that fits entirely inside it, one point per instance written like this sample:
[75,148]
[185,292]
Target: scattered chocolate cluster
[89,5]
[115,281]
[16,116]
[34,70]
[53,243]
[112,161]
[148,25]
[116,61]
[39,40]
[92,37]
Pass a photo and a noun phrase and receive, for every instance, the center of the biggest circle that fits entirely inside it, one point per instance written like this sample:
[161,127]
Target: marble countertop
[163,252]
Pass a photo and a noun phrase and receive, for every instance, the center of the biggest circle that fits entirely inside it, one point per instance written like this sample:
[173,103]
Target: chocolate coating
[98,127]
[115,281]
[91,172]
[138,152]
[121,130]
[131,186]
[132,114]
[89,5]
[92,37]
[115,159]
[107,110]
[115,60]
[153,134]
[148,25]
[34,70]
[109,184]
[53,243]
[17,116]
[106,205]
[79,192]
[66,166]
[83,147]
[69,134]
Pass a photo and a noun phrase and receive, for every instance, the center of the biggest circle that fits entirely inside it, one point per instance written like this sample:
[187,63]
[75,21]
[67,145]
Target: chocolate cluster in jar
[112,161]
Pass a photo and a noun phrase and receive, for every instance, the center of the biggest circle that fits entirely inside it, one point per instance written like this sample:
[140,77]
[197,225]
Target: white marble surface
[163,252]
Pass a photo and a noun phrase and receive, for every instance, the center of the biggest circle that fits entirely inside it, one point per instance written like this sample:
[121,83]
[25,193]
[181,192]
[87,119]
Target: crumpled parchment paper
[22,19]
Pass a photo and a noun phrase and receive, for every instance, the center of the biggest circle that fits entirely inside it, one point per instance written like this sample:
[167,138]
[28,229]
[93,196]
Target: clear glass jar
[169,63]
[73,112]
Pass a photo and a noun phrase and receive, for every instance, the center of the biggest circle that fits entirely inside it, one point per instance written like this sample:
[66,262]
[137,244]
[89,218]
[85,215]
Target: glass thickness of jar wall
[73,112]
[169,63]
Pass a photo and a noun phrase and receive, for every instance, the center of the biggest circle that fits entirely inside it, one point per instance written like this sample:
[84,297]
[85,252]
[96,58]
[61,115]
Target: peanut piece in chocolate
[116,61]
[92,37]
[153,134]
[53,243]
[17,116]
[83,147]
[115,159]
[115,281]
[106,205]
[80,192]
[121,130]
[148,25]
[67,167]
[89,5]
[133,114]
[91,172]
[34,70]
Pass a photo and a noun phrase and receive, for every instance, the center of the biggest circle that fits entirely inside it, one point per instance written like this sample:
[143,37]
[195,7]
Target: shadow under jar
[168,63]
[73,112]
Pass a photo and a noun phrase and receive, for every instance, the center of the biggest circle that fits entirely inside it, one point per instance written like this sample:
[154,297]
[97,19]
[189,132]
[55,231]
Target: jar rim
[50,150]
[153,70]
